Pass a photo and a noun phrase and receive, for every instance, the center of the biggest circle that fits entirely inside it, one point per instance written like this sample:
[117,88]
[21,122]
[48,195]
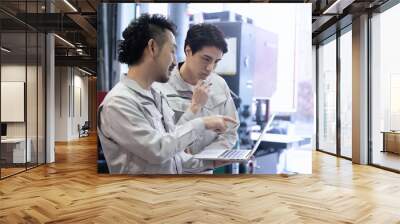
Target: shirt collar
[177,81]
[132,84]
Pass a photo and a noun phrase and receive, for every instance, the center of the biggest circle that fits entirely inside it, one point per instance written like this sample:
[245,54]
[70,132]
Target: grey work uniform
[138,135]
[179,94]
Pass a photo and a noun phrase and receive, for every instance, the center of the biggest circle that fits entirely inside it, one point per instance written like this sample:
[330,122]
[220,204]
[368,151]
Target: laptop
[233,154]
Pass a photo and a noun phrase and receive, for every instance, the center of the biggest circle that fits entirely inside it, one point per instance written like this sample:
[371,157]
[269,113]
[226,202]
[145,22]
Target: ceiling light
[84,71]
[337,7]
[65,41]
[5,50]
[70,5]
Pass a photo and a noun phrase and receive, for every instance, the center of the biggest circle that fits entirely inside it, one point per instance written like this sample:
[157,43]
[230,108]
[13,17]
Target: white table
[18,149]
[276,138]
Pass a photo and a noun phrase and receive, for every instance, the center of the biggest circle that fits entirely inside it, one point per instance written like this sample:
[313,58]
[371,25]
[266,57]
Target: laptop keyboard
[233,154]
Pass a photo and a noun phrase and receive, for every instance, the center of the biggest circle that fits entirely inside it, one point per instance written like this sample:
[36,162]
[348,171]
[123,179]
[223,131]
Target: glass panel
[22,61]
[327,97]
[346,94]
[386,89]
[32,85]
[13,87]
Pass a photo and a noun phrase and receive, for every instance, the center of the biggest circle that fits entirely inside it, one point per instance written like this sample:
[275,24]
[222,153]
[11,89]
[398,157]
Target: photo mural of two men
[208,97]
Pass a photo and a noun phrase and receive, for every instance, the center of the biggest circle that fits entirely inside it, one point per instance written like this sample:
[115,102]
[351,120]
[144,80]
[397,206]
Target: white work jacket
[179,94]
[138,135]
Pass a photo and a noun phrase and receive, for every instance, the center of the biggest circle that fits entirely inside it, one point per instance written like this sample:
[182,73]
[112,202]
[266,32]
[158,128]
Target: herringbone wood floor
[70,191]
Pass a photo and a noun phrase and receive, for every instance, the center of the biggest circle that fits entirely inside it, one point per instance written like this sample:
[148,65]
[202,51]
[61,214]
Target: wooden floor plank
[70,191]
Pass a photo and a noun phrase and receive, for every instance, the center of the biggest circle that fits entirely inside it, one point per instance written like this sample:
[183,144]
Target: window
[385,89]
[327,97]
[346,94]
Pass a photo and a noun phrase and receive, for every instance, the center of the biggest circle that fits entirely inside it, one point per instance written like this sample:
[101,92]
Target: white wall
[80,100]
[61,103]
[82,82]
[71,94]
[15,72]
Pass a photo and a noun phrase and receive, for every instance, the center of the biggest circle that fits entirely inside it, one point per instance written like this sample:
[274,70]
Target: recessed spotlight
[84,71]
[70,5]
[5,49]
[64,40]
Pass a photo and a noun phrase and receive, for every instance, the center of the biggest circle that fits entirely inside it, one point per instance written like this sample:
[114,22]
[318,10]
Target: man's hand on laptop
[218,123]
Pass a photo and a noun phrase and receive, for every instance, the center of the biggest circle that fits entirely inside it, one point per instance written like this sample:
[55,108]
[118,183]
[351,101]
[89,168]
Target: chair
[84,130]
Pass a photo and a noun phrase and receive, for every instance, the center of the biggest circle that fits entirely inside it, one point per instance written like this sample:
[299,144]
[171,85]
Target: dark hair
[205,34]
[139,32]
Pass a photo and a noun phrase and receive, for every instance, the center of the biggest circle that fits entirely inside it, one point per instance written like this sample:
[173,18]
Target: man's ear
[153,47]
[188,50]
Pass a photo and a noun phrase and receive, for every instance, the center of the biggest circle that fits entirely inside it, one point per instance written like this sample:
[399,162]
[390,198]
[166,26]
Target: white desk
[276,138]
[18,149]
